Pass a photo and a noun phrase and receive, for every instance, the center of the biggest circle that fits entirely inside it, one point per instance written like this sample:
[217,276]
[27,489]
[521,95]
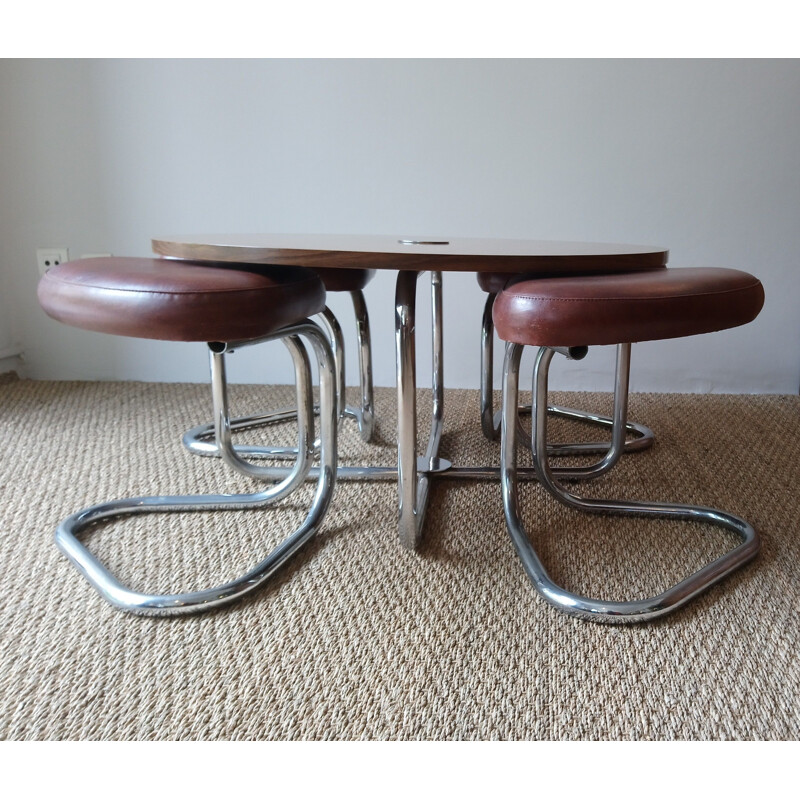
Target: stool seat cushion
[494,282]
[633,307]
[152,298]
[345,280]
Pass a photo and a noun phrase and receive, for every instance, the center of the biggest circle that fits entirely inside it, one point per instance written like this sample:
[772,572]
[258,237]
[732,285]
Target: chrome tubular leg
[568,602]
[201,440]
[365,414]
[616,447]
[437,372]
[643,437]
[413,487]
[405,307]
[331,324]
[126,599]
[489,425]
[305,419]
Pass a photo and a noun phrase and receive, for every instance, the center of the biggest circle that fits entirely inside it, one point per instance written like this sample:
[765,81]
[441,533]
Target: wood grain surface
[320,251]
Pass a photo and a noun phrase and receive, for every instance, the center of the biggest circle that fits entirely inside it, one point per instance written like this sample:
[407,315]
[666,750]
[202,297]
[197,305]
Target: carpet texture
[357,638]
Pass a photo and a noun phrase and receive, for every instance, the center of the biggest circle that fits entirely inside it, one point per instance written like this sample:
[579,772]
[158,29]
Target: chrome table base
[125,598]
[414,471]
[414,481]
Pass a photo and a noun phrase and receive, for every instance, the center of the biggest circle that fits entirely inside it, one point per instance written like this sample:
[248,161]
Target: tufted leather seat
[634,307]
[159,299]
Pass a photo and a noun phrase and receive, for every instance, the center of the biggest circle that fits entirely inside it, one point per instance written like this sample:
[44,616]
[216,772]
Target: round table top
[320,251]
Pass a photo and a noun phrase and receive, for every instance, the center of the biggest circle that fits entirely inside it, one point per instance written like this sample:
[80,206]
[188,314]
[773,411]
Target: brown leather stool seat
[159,299]
[566,315]
[493,283]
[634,307]
[345,280]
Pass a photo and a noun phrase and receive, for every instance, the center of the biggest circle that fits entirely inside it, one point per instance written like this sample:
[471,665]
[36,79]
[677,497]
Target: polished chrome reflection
[304,413]
[336,338]
[642,436]
[414,484]
[364,413]
[489,426]
[570,603]
[136,602]
[201,441]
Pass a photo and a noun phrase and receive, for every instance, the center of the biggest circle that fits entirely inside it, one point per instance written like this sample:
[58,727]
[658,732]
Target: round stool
[566,315]
[493,283]
[228,309]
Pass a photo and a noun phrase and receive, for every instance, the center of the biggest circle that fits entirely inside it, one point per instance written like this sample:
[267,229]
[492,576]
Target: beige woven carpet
[360,639]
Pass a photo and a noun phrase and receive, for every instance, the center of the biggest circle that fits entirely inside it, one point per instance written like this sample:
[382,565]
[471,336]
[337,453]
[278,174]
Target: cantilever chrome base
[643,437]
[568,602]
[125,598]
[200,439]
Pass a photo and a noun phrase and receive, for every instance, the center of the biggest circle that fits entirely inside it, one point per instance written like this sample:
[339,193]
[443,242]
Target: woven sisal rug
[358,638]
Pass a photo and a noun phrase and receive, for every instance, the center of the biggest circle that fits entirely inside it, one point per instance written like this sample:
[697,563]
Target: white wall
[8,347]
[699,156]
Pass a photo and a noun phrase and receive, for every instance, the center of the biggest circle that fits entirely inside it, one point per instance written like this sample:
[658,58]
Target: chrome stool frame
[643,437]
[416,470]
[568,602]
[200,440]
[126,599]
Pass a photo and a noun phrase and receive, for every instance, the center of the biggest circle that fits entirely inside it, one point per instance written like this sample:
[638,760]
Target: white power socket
[47,257]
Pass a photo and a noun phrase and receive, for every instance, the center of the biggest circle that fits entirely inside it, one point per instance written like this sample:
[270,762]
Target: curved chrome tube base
[643,437]
[201,441]
[125,598]
[568,602]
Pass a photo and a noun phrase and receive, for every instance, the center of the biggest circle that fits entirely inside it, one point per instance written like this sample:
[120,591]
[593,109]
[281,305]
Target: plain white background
[699,156]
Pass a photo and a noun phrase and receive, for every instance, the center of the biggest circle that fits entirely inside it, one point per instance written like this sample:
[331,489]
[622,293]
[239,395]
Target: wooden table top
[320,251]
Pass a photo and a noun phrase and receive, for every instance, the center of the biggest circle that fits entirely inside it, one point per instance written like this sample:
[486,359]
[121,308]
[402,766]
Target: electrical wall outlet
[47,257]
